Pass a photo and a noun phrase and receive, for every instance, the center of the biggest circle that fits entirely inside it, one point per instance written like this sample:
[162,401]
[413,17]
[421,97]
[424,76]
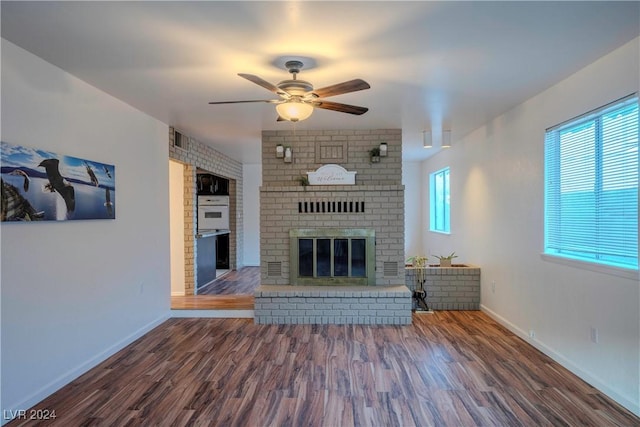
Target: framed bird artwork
[39,185]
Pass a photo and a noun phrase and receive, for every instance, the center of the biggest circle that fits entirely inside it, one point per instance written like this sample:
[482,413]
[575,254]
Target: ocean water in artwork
[39,185]
[90,201]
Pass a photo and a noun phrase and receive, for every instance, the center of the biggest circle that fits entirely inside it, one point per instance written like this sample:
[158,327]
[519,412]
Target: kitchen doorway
[229,283]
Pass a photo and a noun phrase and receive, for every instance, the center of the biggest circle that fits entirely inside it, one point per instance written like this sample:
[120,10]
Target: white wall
[75,292]
[413,208]
[176,229]
[252,180]
[497,222]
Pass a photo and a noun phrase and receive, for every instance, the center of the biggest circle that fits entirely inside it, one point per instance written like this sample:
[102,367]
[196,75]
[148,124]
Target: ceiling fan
[298,98]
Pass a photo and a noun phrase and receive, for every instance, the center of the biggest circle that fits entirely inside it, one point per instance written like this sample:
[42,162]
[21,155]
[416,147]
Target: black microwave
[211,185]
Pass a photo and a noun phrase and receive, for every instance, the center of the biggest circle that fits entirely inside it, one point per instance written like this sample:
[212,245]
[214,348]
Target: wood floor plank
[236,282]
[212,302]
[446,369]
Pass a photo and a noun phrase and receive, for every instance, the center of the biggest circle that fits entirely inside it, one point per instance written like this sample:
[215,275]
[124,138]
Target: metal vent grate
[390,269]
[333,206]
[181,141]
[274,269]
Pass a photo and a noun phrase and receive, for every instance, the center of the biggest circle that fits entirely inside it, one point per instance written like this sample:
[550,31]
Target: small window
[440,212]
[591,186]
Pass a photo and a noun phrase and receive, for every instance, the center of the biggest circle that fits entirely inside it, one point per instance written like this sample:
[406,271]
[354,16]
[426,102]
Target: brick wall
[347,148]
[378,185]
[363,305]
[201,156]
[455,288]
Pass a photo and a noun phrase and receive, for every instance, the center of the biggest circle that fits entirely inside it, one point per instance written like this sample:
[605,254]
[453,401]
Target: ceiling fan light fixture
[294,110]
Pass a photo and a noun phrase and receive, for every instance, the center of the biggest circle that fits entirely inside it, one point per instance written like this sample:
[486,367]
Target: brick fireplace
[324,222]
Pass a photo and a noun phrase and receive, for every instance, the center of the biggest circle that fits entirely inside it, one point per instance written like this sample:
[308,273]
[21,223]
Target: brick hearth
[365,305]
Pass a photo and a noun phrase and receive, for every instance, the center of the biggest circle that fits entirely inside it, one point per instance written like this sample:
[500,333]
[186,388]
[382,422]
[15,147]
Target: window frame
[559,251]
[440,206]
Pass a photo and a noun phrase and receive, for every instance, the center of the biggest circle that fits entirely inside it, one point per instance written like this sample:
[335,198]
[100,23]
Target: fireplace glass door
[332,256]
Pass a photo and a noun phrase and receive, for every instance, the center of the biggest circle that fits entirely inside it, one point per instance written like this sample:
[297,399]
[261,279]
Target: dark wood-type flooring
[446,369]
[213,302]
[233,291]
[236,282]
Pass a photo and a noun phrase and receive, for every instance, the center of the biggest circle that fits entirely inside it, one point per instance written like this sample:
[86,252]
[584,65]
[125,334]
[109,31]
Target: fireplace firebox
[331,256]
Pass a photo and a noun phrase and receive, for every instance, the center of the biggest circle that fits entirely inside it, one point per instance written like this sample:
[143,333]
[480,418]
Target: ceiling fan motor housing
[295,87]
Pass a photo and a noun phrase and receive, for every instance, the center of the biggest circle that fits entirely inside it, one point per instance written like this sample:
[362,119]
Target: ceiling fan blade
[340,88]
[261,82]
[270,101]
[343,108]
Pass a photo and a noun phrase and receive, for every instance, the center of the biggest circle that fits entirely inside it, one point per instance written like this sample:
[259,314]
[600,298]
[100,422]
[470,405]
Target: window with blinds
[591,186]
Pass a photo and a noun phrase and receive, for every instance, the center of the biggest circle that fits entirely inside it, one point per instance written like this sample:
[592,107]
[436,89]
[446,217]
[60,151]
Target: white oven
[213,213]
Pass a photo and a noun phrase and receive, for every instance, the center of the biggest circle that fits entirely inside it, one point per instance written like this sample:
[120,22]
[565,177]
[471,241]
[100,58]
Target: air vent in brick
[274,269]
[390,269]
[342,206]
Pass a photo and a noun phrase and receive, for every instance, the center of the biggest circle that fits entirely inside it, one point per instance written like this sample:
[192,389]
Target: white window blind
[591,186]
[440,210]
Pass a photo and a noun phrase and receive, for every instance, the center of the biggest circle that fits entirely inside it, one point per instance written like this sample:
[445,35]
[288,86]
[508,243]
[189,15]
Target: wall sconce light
[427,139]
[446,139]
[279,151]
[383,149]
[287,155]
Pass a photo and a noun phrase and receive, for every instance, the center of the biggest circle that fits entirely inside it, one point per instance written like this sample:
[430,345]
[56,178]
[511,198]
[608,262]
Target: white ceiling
[452,65]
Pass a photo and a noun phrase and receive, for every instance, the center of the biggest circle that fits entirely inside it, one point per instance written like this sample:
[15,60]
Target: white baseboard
[558,357]
[71,375]
[177,294]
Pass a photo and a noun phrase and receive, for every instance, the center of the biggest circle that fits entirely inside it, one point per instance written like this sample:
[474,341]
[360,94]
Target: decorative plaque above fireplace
[332,175]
